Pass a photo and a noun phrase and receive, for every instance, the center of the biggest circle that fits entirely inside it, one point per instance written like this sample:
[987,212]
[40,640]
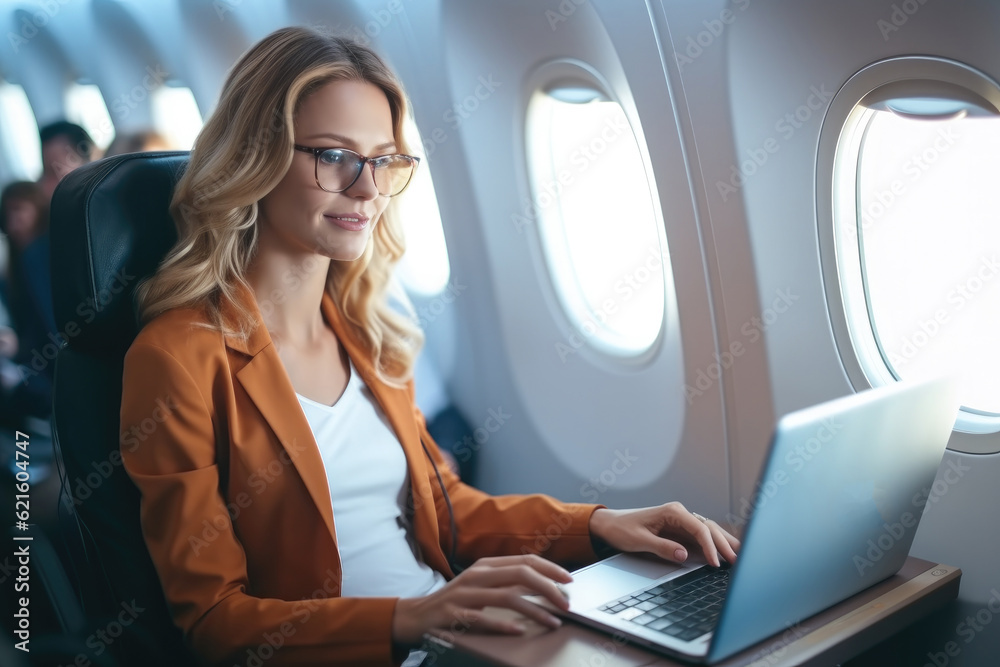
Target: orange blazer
[236,509]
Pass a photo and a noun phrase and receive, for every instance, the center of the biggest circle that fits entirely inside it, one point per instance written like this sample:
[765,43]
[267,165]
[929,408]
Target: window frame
[841,238]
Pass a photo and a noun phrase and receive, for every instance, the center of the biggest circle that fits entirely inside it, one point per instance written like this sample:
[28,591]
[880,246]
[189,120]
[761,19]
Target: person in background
[26,377]
[24,216]
[138,142]
[65,146]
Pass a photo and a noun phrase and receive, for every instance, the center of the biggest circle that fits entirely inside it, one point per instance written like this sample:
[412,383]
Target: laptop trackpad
[644,565]
[614,578]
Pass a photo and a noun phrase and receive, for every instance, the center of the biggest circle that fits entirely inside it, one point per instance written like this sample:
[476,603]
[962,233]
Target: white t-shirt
[369,485]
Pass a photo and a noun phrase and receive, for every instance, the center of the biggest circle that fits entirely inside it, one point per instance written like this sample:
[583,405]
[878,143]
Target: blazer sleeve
[168,447]
[508,524]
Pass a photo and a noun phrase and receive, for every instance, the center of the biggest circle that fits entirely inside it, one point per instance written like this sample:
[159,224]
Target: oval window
[916,240]
[930,247]
[599,228]
[19,133]
[85,106]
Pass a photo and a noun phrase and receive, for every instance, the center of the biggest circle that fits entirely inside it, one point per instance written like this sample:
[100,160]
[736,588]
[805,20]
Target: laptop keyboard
[686,607]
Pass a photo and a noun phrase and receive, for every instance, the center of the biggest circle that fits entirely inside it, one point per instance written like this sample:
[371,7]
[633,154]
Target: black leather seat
[110,227]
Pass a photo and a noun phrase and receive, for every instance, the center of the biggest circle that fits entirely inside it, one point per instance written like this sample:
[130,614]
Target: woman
[291,495]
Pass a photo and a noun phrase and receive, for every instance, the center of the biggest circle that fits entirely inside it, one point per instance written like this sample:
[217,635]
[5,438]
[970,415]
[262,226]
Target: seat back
[110,227]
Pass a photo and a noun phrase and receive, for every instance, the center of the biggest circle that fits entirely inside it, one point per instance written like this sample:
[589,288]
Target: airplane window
[424,269]
[176,115]
[19,133]
[592,204]
[929,241]
[85,107]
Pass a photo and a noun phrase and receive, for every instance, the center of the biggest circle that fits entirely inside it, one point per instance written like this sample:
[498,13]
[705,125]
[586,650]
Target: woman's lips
[353,222]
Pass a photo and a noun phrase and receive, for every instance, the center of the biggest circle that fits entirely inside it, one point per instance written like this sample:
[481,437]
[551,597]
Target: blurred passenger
[65,146]
[138,142]
[29,348]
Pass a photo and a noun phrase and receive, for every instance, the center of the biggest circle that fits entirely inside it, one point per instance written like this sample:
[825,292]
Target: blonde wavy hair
[243,151]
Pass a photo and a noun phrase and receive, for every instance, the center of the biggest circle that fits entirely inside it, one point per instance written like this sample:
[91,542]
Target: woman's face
[297,216]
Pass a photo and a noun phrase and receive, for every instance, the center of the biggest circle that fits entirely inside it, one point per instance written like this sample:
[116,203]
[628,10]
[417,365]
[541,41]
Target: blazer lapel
[266,383]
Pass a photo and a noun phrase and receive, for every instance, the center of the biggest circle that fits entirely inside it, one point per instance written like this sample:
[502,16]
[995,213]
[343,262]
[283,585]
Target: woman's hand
[664,531]
[490,582]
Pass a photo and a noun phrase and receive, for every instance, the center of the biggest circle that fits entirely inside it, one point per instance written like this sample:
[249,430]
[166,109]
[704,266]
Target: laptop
[840,496]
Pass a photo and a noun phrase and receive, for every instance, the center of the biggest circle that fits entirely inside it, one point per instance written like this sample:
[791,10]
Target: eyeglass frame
[365,161]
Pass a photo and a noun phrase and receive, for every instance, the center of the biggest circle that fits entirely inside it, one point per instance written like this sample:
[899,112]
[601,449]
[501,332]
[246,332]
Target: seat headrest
[110,227]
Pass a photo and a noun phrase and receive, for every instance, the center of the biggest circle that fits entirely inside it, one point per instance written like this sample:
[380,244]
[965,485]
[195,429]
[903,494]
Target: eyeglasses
[337,169]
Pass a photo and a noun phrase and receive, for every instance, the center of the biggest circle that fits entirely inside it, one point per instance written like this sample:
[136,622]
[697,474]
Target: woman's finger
[542,565]
[733,541]
[518,574]
[722,543]
[701,532]
[664,547]
[507,598]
